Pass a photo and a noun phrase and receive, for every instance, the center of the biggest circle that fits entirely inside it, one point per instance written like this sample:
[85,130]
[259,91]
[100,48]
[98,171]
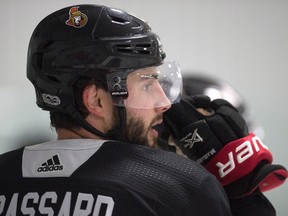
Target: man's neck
[75,134]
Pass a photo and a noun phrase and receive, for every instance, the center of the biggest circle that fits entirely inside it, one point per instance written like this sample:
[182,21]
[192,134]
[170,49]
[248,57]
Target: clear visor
[147,88]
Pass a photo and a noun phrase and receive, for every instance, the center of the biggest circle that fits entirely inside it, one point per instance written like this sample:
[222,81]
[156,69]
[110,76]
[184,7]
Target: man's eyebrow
[150,76]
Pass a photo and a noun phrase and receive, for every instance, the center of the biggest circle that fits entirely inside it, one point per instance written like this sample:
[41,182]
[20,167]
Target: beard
[133,131]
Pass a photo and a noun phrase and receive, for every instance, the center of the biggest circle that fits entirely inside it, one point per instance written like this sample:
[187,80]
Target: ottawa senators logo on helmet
[76,19]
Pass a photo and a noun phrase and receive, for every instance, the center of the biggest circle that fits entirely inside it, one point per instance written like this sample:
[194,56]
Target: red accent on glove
[275,178]
[238,158]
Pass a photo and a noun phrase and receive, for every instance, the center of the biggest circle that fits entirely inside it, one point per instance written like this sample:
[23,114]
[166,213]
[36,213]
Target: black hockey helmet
[92,41]
[86,40]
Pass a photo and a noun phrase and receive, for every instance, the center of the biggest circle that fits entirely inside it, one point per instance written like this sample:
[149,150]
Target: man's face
[144,106]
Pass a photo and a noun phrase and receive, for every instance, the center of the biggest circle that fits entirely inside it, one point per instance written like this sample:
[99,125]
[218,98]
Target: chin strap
[113,134]
[76,115]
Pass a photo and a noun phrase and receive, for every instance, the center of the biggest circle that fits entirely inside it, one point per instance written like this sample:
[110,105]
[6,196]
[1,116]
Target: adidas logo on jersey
[52,164]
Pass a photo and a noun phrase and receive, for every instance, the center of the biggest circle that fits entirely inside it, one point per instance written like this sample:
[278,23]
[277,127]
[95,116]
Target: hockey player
[101,74]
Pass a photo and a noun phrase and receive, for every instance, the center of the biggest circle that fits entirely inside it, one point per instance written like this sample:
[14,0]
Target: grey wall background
[243,42]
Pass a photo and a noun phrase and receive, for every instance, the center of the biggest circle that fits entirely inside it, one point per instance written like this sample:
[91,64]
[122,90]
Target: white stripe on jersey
[58,158]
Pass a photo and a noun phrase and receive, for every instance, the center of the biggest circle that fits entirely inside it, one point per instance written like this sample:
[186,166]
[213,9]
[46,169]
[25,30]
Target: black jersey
[90,177]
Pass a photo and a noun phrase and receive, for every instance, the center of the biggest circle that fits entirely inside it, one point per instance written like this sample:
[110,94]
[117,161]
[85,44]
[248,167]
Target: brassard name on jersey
[49,203]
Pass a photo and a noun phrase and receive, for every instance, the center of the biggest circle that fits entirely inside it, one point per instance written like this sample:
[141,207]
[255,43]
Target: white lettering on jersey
[12,209]
[42,205]
[29,196]
[104,199]
[88,198]
[2,203]
[65,207]
[241,154]
[84,204]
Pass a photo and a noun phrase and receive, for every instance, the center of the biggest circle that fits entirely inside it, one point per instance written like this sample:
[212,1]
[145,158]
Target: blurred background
[242,42]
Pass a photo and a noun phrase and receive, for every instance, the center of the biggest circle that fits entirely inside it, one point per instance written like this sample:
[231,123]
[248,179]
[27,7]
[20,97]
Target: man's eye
[148,87]
[166,84]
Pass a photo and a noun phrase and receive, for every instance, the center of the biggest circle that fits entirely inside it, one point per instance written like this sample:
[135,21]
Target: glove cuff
[238,158]
[270,176]
[263,178]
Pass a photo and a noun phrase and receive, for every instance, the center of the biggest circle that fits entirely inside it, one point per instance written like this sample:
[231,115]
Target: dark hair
[64,120]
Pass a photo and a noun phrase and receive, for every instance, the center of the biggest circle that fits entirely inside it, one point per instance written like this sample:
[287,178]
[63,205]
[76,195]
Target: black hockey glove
[220,141]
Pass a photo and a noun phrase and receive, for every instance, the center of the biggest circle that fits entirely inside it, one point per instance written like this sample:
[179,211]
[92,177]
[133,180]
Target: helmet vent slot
[143,48]
[118,20]
[54,79]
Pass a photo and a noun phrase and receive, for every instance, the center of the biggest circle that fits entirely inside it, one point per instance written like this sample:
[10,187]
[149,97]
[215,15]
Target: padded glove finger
[231,116]
[186,123]
[200,136]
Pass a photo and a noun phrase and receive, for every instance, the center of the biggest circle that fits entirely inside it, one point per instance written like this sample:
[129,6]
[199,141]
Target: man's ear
[91,97]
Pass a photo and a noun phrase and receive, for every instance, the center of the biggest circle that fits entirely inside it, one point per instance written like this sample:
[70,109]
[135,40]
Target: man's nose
[162,103]
[164,108]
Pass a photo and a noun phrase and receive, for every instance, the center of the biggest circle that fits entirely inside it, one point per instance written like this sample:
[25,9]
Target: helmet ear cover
[64,120]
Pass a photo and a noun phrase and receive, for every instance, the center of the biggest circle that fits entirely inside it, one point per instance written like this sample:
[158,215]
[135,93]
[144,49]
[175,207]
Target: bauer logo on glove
[219,140]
